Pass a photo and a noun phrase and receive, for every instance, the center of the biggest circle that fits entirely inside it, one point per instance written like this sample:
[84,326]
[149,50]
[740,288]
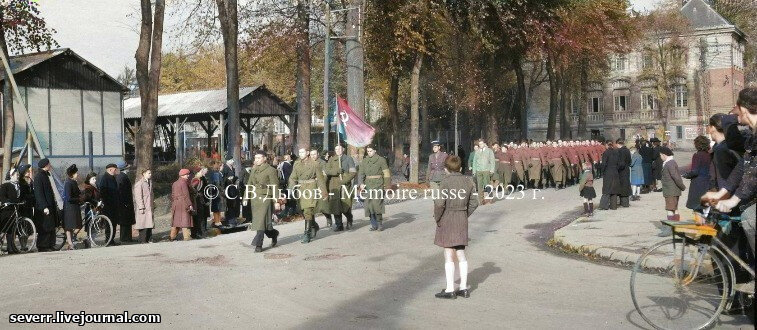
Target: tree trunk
[148,58]
[423,104]
[522,117]
[565,131]
[354,59]
[303,74]
[553,96]
[227,14]
[9,121]
[583,104]
[414,120]
[492,127]
[394,84]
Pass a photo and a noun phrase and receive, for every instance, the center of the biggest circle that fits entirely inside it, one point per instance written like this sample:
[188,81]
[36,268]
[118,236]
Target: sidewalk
[620,235]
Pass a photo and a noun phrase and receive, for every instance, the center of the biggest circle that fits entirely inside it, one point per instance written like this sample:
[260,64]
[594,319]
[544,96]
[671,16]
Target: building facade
[626,104]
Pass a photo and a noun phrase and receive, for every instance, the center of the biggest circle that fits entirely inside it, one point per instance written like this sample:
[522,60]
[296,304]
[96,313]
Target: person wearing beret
[112,207]
[71,205]
[46,206]
[181,207]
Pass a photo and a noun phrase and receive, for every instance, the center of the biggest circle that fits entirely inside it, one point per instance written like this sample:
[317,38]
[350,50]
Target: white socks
[449,270]
[463,275]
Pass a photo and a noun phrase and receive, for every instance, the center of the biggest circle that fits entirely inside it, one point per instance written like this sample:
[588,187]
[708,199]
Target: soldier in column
[483,168]
[555,165]
[308,183]
[435,171]
[504,165]
[534,166]
[518,170]
[264,180]
[323,205]
[495,177]
[340,171]
[565,157]
[375,177]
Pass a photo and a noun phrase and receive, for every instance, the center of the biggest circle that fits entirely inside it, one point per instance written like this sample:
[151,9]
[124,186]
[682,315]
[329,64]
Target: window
[620,103]
[681,96]
[619,63]
[595,104]
[623,133]
[679,132]
[647,61]
[648,101]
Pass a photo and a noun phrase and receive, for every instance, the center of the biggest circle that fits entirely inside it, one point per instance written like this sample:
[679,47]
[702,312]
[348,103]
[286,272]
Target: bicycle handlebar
[6,204]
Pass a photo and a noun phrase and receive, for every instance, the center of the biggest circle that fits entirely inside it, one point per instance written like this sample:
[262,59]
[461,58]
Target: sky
[105,32]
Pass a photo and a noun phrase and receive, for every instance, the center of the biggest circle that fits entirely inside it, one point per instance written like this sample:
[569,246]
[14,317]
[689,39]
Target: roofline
[69,51]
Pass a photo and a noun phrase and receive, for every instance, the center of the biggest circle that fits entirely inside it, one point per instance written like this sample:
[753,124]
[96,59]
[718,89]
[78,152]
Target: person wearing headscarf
[181,207]
[46,206]
[71,205]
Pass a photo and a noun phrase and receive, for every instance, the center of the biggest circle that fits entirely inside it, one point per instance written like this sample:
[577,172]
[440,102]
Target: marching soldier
[340,170]
[518,169]
[323,206]
[534,165]
[504,165]
[435,171]
[375,176]
[483,168]
[307,178]
[265,182]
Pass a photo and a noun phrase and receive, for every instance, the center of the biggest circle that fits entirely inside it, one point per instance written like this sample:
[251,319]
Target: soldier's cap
[435,143]
[666,151]
[110,165]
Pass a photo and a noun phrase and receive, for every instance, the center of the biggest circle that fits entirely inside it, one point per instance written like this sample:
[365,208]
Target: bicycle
[21,230]
[98,229]
[687,281]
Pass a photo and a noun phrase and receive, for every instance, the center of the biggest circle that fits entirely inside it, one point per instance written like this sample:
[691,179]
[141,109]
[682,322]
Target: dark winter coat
[610,178]
[44,198]
[72,205]
[126,197]
[624,171]
[700,179]
[112,206]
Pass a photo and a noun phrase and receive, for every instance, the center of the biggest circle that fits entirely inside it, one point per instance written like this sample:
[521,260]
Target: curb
[591,251]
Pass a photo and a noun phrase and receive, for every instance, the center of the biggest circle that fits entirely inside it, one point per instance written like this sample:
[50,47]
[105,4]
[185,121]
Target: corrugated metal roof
[23,62]
[186,103]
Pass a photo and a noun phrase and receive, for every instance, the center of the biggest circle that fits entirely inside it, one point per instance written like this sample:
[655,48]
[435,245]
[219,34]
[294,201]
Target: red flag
[357,132]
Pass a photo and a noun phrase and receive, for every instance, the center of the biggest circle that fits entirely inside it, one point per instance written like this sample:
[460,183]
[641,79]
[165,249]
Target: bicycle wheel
[99,231]
[24,236]
[679,286]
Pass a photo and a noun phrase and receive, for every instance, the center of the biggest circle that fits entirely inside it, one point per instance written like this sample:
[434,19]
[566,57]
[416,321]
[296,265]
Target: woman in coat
[451,216]
[699,173]
[200,218]
[71,205]
[637,174]
[143,206]
[181,207]
[27,192]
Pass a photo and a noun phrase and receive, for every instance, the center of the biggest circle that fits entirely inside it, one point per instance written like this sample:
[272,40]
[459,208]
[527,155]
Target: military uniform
[307,173]
[340,170]
[556,165]
[374,174]
[503,167]
[265,182]
[483,168]
[519,170]
[435,171]
[534,166]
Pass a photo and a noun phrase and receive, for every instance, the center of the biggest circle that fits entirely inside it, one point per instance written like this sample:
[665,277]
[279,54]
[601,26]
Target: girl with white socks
[451,212]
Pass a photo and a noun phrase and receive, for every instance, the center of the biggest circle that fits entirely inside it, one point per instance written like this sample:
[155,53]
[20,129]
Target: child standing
[586,188]
[672,186]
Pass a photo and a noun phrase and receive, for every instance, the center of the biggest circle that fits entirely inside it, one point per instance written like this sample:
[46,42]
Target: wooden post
[221,146]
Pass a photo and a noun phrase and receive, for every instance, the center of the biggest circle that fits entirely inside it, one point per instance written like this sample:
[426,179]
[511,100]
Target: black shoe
[446,295]
[339,228]
[258,249]
[349,225]
[372,229]
[274,240]
[463,293]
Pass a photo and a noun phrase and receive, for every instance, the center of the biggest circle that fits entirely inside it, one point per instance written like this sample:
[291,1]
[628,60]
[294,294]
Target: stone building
[625,103]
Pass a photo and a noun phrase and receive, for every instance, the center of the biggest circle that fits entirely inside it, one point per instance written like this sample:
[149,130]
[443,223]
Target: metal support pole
[176,142]
[221,146]
[91,152]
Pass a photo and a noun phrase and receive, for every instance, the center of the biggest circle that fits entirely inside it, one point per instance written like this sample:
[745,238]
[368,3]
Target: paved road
[356,279]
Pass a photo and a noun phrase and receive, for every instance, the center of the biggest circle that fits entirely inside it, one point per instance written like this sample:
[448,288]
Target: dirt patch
[149,255]
[543,232]
[277,255]
[218,260]
[328,256]
[366,317]
[208,246]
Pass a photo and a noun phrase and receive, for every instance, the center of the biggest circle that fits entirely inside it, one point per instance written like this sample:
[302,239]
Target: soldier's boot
[306,234]
[349,219]
[374,224]
[313,229]
[380,220]
[338,222]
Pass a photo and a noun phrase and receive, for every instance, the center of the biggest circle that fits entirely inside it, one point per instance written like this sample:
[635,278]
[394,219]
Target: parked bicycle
[98,229]
[19,235]
[687,281]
